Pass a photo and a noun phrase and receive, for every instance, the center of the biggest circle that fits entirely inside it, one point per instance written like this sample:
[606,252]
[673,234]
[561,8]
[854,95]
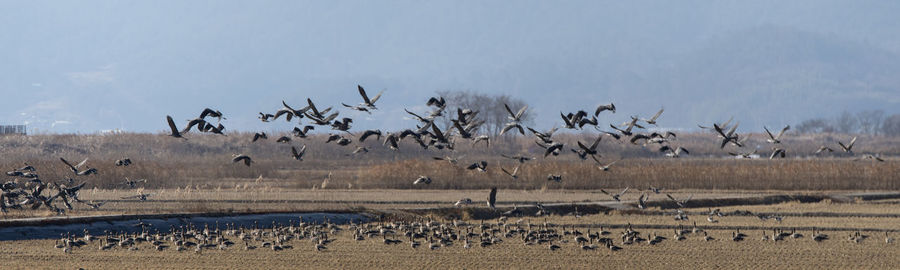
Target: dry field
[345,253]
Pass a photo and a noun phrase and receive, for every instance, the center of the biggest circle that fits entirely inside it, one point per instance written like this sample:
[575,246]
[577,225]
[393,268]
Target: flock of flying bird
[466,124]
[427,134]
[30,194]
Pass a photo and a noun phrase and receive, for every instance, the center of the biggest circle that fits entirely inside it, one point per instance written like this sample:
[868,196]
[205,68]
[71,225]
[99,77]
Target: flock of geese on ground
[426,235]
[427,134]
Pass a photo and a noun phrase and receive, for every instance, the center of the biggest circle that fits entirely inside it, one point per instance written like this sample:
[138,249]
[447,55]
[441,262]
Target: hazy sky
[84,66]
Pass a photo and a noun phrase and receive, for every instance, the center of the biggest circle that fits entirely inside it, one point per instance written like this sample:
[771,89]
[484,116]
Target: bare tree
[817,125]
[846,123]
[870,121]
[891,125]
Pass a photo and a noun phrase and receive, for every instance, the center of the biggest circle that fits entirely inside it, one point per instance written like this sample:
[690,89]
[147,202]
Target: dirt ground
[837,219]
[346,253]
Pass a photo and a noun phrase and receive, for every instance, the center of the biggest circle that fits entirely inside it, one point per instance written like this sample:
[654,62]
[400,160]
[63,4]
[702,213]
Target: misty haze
[76,67]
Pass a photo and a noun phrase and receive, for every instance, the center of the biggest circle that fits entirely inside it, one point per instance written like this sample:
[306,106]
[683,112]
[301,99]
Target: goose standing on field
[642,201]
[27,168]
[552,247]
[123,162]
[238,158]
[492,198]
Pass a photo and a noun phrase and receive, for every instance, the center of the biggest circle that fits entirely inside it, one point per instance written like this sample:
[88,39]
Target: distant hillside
[774,76]
[84,67]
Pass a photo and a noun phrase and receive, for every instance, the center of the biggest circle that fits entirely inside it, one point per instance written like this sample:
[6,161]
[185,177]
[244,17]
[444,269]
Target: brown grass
[203,161]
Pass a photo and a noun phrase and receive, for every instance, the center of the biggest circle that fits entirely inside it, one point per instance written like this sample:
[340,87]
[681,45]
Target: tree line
[873,122]
[492,111]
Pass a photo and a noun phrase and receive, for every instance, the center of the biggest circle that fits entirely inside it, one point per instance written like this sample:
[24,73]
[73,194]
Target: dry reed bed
[832,174]
[204,161]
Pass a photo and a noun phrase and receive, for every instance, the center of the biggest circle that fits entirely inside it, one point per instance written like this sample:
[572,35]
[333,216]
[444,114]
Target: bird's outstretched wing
[68,164]
[172,125]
